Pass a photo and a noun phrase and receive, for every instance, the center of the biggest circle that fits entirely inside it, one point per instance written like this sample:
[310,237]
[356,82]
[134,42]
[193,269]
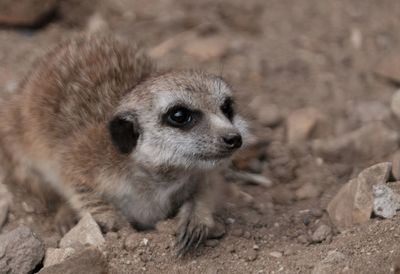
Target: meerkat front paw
[65,219]
[191,233]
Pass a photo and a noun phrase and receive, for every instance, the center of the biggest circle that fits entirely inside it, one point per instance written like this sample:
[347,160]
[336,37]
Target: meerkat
[118,139]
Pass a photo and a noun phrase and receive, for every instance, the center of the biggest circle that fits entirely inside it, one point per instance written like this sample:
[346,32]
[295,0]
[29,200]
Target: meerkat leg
[84,200]
[196,219]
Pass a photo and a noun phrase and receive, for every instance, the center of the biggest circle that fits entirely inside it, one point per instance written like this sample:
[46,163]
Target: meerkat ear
[124,131]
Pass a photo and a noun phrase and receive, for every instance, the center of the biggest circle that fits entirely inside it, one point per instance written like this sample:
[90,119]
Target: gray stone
[395,104]
[20,251]
[87,261]
[308,191]
[57,255]
[321,233]
[86,232]
[386,202]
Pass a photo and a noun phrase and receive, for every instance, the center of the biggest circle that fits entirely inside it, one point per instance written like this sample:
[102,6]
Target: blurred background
[318,82]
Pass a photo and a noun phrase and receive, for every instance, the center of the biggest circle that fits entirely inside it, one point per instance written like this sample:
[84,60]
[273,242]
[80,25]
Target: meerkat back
[73,86]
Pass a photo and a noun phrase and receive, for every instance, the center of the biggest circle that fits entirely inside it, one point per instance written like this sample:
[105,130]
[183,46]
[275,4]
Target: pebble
[28,208]
[371,111]
[353,204]
[388,67]
[268,115]
[276,254]
[237,232]
[251,255]
[57,255]
[301,123]
[87,261]
[218,231]
[321,233]
[86,232]
[386,202]
[20,251]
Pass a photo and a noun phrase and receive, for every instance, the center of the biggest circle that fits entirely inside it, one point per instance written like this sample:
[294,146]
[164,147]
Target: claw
[190,238]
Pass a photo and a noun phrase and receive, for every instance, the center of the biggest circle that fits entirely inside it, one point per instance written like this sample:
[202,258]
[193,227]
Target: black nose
[232,140]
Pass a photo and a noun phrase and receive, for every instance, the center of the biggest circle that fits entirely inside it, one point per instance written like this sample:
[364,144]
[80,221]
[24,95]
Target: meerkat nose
[232,140]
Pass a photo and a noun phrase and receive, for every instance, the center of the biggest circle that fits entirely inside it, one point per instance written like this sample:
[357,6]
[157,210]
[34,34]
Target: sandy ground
[280,56]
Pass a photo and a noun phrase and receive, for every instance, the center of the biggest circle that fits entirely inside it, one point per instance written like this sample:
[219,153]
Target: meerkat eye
[179,117]
[227,108]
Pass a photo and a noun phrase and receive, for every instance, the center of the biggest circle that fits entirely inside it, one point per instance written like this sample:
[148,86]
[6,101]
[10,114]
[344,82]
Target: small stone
[328,265]
[247,235]
[57,255]
[20,251]
[321,233]
[386,202]
[276,254]
[283,196]
[308,191]
[86,232]
[211,243]
[302,239]
[209,48]
[251,255]
[256,247]
[388,67]
[353,204]
[301,123]
[88,261]
[316,212]
[132,242]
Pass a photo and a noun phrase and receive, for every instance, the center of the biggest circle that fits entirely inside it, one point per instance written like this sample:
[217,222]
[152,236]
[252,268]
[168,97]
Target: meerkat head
[185,119]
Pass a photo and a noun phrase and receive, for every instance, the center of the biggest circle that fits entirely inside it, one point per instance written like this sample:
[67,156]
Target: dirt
[288,54]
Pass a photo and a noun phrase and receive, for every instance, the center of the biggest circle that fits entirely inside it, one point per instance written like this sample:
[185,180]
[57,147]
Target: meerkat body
[96,124]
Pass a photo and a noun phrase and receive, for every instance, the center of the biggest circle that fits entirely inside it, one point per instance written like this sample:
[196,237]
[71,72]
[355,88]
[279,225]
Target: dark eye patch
[227,108]
[181,117]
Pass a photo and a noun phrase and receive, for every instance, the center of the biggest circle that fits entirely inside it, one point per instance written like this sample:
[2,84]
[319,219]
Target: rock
[372,140]
[28,208]
[276,254]
[20,251]
[211,243]
[96,24]
[27,13]
[301,123]
[329,264]
[321,233]
[5,201]
[87,261]
[353,203]
[386,202]
[251,255]
[85,232]
[371,111]
[395,104]
[205,49]
[57,255]
[237,232]
[308,191]
[396,165]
